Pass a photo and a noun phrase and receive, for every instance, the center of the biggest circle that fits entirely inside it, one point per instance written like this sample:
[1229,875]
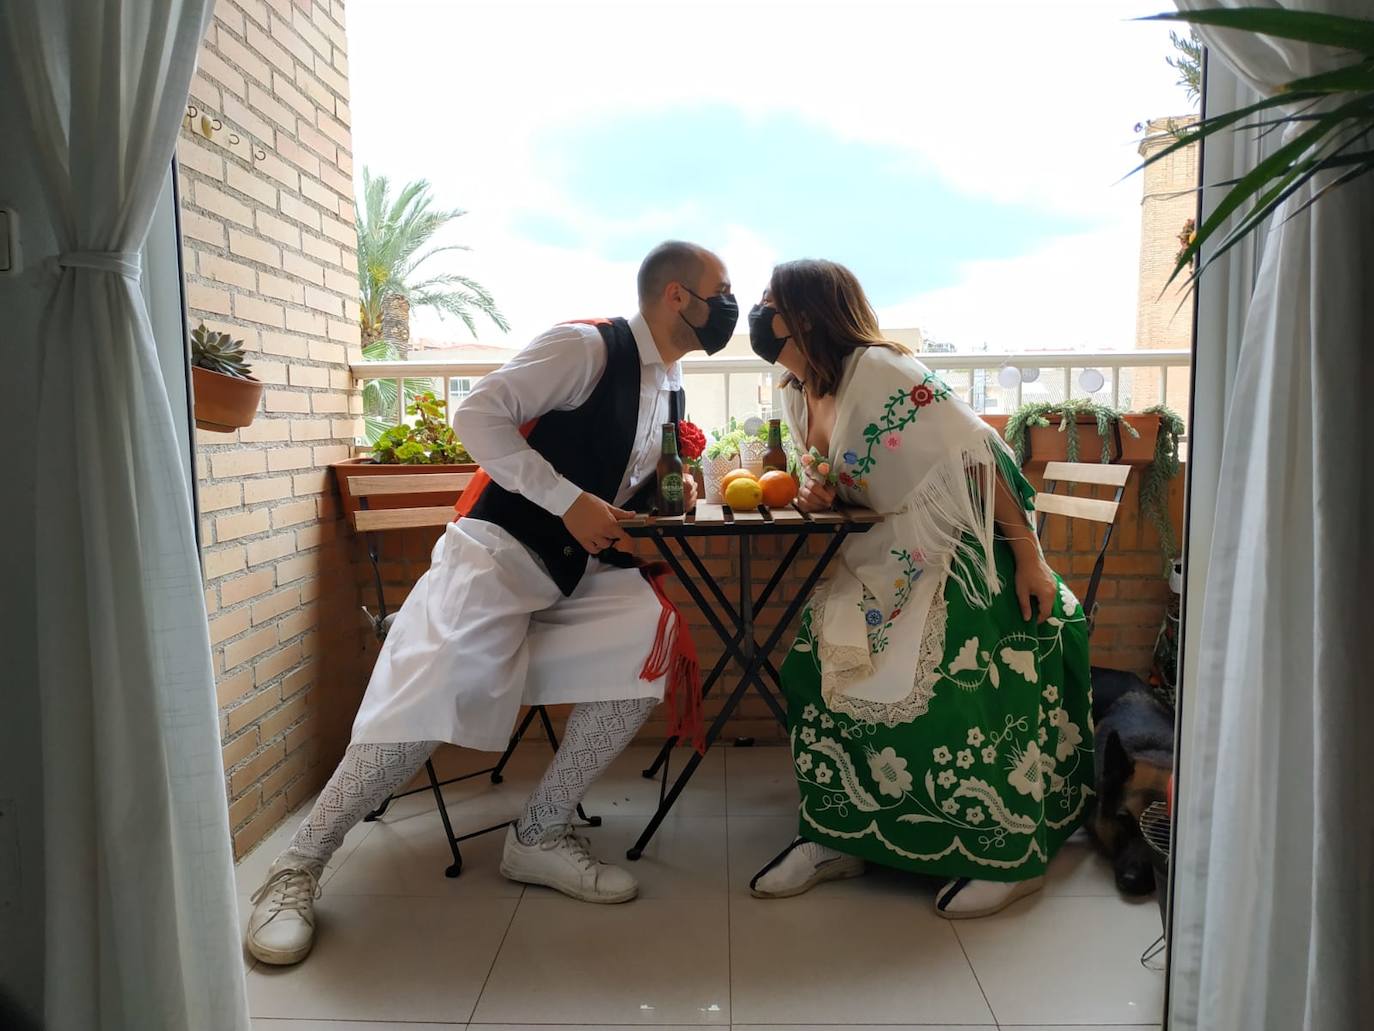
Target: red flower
[921,395]
[691,441]
[846,479]
[895,613]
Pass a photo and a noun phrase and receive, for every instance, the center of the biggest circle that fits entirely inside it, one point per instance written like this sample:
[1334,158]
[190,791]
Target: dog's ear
[1117,766]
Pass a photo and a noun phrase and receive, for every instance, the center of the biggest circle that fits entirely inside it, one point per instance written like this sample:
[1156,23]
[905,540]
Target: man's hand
[1034,579]
[593,522]
[815,495]
[689,493]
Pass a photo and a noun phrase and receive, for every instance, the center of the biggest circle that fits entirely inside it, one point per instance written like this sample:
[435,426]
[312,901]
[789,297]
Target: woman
[938,688]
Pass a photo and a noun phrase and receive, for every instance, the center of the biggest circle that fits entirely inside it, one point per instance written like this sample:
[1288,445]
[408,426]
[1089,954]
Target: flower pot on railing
[350,468]
[1051,443]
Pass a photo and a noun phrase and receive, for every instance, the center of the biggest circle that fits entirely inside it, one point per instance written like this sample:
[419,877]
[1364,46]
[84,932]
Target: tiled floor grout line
[496,956]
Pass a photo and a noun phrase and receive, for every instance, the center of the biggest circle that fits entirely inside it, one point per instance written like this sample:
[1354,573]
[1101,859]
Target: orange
[733,475]
[778,488]
[744,493]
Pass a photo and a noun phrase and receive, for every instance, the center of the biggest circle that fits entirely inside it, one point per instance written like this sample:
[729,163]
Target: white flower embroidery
[1066,596]
[804,762]
[942,755]
[808,735]
[1051,694]
[974,815]
[990,754]
[1058,717]
[967,657]
[889,770]
[947,778]
[826,721]
[975,737]
[1069,739]
[1026,776]
[809,713]
[1044,735]
[965,759]
[1022,662]
[950,806]
[824,774]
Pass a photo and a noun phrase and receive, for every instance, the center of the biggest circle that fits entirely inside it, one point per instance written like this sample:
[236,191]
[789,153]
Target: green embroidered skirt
[990,780]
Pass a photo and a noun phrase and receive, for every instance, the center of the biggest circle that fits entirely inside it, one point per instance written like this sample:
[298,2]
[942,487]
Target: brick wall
[1164,318]
[1133,593]
[267,218]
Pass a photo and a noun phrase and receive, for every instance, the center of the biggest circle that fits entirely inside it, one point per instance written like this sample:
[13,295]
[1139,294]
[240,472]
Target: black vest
[589,445]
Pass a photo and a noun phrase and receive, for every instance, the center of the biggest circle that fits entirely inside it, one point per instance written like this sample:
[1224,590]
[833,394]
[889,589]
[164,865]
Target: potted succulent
[1079,429]
[427,445]
[226,396]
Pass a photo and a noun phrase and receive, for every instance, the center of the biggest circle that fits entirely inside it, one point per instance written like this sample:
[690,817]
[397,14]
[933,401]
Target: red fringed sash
[675,653]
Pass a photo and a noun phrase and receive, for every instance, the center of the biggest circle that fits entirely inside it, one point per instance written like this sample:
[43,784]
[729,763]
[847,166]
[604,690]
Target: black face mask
[766,344]
[720,322]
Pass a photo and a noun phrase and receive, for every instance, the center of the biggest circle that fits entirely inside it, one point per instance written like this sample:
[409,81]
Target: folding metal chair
[372,524]
[1048,502]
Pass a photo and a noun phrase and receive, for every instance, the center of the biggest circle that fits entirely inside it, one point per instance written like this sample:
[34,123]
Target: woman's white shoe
[967,899]
[800,867]
[281,929]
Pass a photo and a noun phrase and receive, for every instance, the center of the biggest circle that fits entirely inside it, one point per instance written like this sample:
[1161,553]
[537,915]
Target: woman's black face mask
[766,344]
[723,313]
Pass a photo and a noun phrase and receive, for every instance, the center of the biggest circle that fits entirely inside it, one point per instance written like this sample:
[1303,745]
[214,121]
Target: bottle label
[670,489]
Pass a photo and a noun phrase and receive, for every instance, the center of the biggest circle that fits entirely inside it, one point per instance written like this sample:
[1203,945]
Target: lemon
[744,493]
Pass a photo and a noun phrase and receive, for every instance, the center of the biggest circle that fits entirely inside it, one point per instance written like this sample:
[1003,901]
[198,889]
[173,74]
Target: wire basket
[1157,830]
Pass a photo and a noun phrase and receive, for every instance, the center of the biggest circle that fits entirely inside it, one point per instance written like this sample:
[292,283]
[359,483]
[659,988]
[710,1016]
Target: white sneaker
[965,898]
[564,861]
[801,866]
[282,927]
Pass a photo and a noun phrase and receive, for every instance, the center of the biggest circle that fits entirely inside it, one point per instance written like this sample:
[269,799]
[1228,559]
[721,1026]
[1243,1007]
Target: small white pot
[713,470]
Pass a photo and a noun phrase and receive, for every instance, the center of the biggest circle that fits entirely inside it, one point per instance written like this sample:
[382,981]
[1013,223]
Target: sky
[965,159]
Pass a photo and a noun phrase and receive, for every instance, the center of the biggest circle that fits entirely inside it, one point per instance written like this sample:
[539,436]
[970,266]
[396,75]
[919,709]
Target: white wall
[21,888]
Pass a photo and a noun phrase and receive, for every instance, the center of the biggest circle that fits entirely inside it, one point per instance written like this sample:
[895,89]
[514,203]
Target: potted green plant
[226,395]
[426,445]
[1066,431]
[732,447]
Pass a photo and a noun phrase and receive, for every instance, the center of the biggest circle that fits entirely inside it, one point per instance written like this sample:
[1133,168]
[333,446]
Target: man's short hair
[674,261]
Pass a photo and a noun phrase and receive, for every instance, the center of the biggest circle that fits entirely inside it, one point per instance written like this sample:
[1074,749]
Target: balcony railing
[721,388]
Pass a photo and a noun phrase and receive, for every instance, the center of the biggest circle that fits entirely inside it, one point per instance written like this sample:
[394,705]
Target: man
[517,607]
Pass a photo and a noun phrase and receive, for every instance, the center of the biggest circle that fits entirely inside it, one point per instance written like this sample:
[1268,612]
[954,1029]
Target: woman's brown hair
[829,317]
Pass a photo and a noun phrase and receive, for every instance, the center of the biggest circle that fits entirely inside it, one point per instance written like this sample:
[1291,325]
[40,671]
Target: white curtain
[1274,908]
[141,929]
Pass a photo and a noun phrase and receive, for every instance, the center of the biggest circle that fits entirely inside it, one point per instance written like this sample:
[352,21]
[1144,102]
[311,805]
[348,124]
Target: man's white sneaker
[281,929]
[564,861]
[801,866]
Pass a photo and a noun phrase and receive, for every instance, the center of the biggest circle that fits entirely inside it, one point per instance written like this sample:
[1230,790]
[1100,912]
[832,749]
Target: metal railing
[749,386]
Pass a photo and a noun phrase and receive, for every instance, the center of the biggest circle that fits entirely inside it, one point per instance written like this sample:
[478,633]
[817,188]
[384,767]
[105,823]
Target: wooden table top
[713,520]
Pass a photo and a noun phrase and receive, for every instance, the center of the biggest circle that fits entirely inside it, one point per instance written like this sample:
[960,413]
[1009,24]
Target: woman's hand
[1034,579]
[815,495]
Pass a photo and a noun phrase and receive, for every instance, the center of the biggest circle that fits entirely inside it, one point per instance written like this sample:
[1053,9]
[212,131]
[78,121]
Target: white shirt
[558,371]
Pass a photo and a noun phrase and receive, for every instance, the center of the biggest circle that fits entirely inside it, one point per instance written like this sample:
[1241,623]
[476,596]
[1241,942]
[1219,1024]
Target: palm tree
[393,235]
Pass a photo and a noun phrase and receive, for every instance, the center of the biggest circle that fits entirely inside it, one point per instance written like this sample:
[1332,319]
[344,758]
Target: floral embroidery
[877,637]
[975,737]
[846,479]
[942,755]
[950,806]
[850,457]
[808,735]
[975,815]
[804,762]
[966,659]
[889,770]
[893,420]
[965,759]
[810,713]
[1026,776]
[826,721]
[1069,739]
[1058,717]
[873,617]
[824,774]
[947,778]
[1051,694]
[990,754]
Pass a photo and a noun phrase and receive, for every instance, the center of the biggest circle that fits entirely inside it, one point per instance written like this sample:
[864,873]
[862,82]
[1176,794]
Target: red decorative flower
[846,479]
[691,441]
[895,613]
[921,395]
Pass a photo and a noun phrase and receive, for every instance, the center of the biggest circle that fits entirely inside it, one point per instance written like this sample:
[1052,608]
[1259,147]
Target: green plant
[379,395]
[218,352]
[392,245]
[1070,413]
[1154,478]
[1187,62]
[727,441]
[430,440]
[1326,121]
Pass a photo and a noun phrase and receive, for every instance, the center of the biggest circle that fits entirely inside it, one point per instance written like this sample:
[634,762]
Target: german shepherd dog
[1134,752]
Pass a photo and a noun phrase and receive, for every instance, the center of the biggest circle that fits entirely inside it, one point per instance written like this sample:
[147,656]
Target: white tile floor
[403,948]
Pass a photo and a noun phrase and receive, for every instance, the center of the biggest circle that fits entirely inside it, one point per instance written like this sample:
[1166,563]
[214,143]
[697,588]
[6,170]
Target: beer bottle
[671,496]
[775,457]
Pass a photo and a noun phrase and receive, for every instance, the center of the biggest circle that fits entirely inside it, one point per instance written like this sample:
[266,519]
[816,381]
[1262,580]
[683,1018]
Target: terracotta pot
[224,403]
[1050,444]
[345,470]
